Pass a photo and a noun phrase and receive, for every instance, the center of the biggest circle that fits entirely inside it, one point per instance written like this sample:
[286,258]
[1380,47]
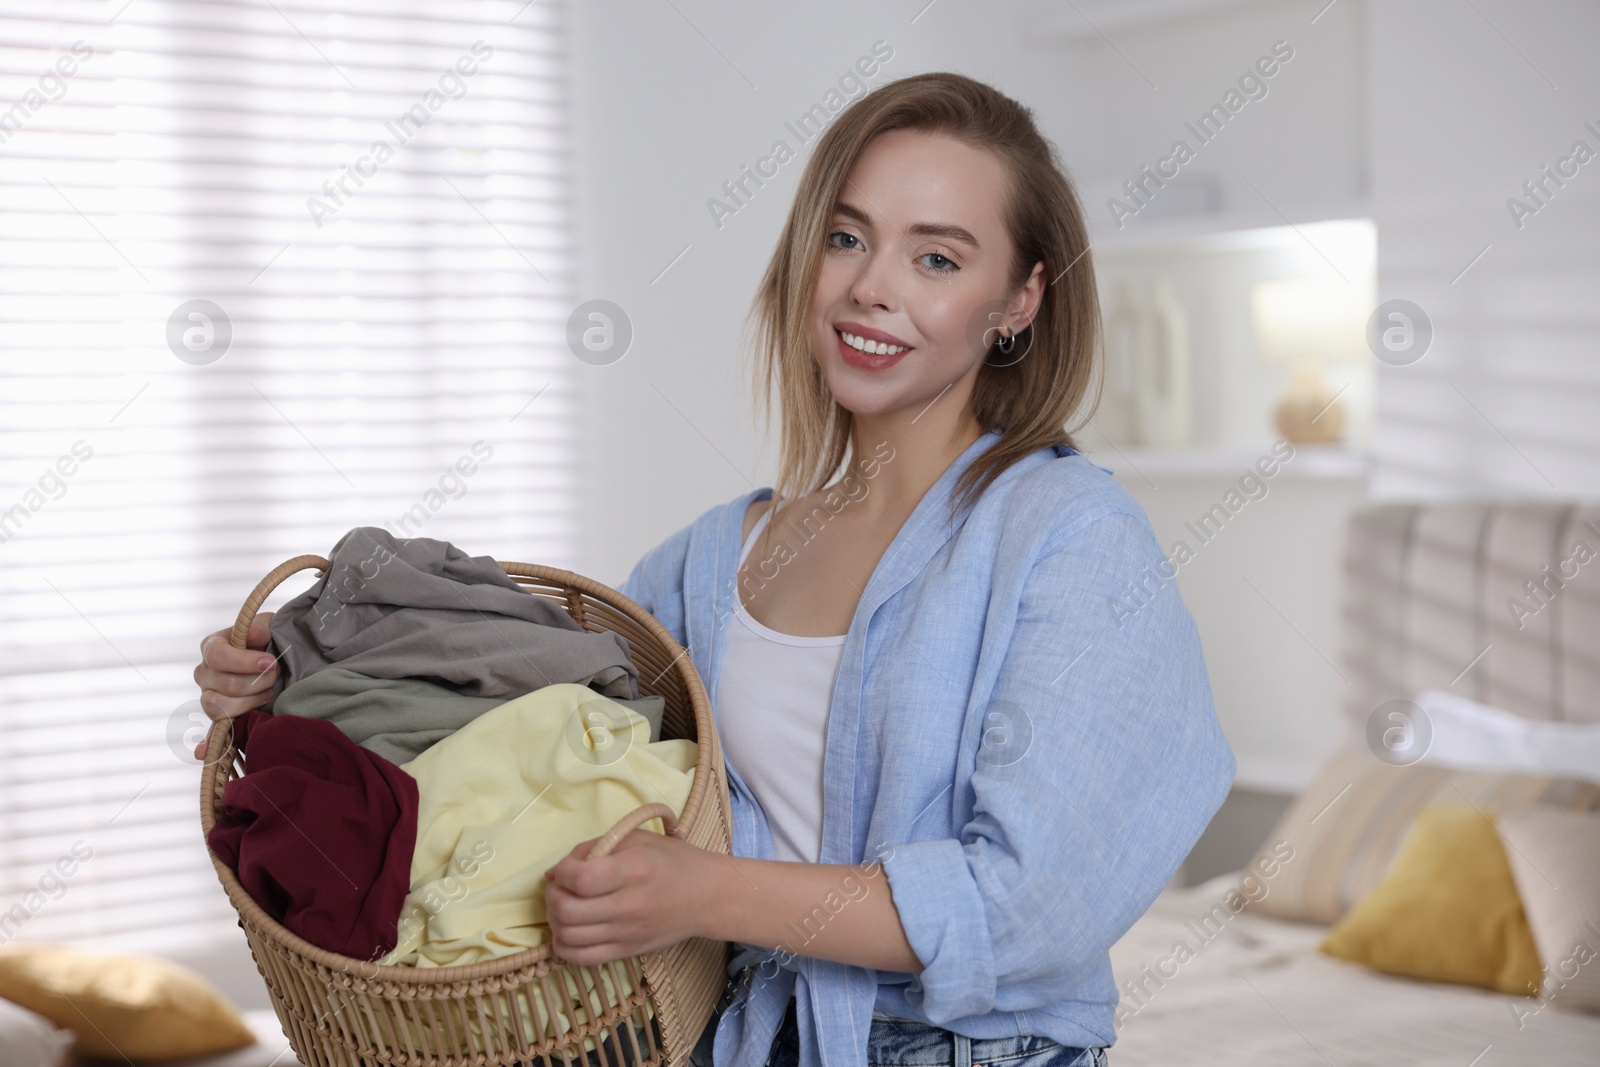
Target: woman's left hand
[648,894]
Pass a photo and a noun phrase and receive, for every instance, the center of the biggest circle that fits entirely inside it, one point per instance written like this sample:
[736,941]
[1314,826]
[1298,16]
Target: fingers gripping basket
[531,1007]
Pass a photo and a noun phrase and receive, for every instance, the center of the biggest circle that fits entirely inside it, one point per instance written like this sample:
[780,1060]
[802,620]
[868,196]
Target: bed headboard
[1430,589]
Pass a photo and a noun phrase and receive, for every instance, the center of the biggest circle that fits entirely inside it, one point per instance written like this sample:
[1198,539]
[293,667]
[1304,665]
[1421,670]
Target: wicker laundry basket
[644,1011]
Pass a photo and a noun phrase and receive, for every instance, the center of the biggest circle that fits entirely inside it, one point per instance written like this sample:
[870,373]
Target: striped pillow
[1345,829]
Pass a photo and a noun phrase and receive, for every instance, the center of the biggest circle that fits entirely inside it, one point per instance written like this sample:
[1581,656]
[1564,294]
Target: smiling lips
[866,348]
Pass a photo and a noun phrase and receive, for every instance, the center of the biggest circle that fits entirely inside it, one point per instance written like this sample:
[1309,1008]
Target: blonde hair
[1031,399]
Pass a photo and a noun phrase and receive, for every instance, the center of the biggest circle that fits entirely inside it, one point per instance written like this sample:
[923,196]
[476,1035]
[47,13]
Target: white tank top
[771,704]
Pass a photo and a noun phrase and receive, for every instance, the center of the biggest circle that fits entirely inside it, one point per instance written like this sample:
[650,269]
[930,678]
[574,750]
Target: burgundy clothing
[320,832]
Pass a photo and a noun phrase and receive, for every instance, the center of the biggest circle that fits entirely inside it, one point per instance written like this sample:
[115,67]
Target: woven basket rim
[219,740]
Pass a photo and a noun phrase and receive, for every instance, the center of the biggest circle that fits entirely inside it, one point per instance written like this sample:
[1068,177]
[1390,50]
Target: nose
[872,287]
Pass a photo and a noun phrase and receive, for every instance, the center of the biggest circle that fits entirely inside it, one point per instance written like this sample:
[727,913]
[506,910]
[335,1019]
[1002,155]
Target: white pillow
[1555,859]
[1476,736]
[28,1039]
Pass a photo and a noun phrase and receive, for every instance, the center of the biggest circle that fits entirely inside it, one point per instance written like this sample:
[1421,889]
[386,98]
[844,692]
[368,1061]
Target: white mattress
[1259,993]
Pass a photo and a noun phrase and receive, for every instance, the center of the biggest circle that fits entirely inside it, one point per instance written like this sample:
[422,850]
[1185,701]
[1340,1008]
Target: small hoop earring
[1006,346]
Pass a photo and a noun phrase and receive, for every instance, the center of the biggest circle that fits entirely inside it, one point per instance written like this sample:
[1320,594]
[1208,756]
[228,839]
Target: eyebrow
[918,229]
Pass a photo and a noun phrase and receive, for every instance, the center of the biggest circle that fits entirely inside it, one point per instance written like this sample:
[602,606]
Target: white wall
[1260,589]
[1419,113]
[670,106]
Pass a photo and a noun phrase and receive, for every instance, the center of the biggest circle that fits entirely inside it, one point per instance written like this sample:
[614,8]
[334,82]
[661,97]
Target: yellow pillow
[133,1007]
[1447,910]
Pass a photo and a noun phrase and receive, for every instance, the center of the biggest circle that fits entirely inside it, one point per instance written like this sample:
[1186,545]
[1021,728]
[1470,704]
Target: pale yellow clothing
[506,797]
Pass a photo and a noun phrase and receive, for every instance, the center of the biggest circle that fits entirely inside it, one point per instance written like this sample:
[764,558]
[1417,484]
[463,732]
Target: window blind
[1502,403]
[267,271]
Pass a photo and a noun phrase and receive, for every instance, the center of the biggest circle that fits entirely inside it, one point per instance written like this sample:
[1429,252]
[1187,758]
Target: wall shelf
[1237,228]
[1230,461]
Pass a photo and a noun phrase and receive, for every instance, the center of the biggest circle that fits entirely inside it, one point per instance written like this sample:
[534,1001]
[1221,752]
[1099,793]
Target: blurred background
[270,270]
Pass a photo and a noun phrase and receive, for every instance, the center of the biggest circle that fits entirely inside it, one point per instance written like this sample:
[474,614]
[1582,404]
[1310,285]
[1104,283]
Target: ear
[1025,300]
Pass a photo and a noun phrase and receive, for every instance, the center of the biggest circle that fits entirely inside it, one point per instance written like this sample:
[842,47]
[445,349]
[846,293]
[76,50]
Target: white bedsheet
[1259,993]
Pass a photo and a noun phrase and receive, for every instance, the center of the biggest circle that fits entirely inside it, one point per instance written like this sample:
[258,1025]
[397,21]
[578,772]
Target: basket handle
[631,821]
[247,614]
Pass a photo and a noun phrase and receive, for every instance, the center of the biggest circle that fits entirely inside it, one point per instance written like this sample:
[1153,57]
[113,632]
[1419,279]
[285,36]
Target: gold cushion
[122,1006]
[1447,911]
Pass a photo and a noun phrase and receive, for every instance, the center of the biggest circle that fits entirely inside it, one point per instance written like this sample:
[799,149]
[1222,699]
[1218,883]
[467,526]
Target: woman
[962,757]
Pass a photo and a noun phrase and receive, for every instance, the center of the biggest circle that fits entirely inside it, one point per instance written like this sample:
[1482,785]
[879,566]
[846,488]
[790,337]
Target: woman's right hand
[236,680]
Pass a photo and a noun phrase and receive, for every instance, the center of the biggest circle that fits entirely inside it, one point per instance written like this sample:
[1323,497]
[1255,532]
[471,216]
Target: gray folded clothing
[419,608]
[400,718]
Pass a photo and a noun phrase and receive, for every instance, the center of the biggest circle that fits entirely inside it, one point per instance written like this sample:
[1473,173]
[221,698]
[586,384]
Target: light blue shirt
[1021,733]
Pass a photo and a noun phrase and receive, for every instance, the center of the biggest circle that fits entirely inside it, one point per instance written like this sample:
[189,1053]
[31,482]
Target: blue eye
[947,269]
[841,233]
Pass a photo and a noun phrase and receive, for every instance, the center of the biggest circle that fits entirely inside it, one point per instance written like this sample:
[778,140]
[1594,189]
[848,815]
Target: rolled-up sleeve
[1100,763]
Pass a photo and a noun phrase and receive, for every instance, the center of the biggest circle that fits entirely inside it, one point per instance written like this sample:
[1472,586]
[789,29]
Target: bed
[1259,993]
[1431,602]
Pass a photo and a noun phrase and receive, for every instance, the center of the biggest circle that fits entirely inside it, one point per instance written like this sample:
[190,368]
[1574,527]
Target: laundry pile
[444,738]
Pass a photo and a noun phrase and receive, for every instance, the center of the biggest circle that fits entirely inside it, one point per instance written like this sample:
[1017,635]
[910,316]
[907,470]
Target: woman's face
[917,258]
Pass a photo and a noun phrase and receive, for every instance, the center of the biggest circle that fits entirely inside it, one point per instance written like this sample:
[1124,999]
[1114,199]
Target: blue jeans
[896,1042]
